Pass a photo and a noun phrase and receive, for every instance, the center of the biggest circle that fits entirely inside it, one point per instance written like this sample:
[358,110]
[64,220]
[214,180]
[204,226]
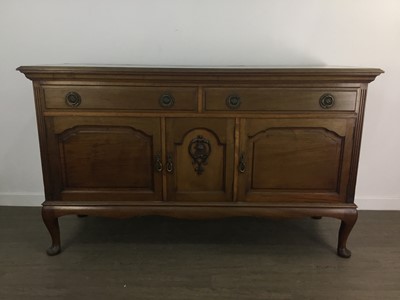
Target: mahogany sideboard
[199,142]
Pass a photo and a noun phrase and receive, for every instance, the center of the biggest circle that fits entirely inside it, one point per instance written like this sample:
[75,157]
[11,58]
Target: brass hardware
[233,101]
[166,100]
[242,163]
[170,164]
[73,99]
[199,149]
[158,166]
[326,101]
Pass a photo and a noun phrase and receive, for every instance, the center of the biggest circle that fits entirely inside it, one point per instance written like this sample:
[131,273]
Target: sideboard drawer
[124,98]
[279,99]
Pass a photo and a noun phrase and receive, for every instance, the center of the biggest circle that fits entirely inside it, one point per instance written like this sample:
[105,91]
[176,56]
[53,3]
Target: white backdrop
[363,33]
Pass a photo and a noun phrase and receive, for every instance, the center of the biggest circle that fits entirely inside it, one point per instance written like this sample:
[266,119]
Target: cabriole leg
[51,223]
[346,226]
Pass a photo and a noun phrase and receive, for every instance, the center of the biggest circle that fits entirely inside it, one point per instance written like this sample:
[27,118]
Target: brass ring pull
[242,163]
[166,100]
[158,166]
[73,99]
[170,164]
[327,101]
[233,101]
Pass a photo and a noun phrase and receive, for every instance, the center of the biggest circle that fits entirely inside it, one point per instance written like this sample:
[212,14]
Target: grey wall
[361,33]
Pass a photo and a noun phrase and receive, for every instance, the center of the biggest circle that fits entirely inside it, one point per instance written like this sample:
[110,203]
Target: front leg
[51,222]
[346,226]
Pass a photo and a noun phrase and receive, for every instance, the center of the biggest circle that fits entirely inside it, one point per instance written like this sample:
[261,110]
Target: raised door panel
[291,160]
[95,158]
[199,159]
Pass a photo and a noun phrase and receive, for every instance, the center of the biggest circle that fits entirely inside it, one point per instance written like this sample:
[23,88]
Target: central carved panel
[199,149]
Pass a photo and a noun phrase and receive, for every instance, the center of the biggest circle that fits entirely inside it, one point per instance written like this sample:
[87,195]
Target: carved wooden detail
[199,150]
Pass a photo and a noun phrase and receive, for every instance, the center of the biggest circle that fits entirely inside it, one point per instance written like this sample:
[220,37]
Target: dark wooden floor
[161,258]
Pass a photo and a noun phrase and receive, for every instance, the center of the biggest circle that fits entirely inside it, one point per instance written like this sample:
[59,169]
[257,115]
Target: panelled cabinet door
[104,158]
[289,160]
[199,159]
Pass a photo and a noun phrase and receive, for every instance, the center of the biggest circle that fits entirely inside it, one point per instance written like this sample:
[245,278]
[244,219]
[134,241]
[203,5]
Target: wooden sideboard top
[200,73]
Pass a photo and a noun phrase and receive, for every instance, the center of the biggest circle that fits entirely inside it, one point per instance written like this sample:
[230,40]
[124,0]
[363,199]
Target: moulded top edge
[187,73]
[199,68]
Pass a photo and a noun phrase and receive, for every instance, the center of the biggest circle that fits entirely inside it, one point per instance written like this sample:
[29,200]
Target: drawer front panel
[121,98]
[279,99]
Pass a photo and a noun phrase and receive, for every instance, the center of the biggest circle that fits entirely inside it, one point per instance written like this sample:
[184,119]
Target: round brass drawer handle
[233,101]
[166,100]
[327,101]
[73,99]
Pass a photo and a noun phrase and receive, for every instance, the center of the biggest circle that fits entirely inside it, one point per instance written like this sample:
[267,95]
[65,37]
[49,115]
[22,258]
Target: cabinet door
[200,159]
[288,160]
[104,158]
